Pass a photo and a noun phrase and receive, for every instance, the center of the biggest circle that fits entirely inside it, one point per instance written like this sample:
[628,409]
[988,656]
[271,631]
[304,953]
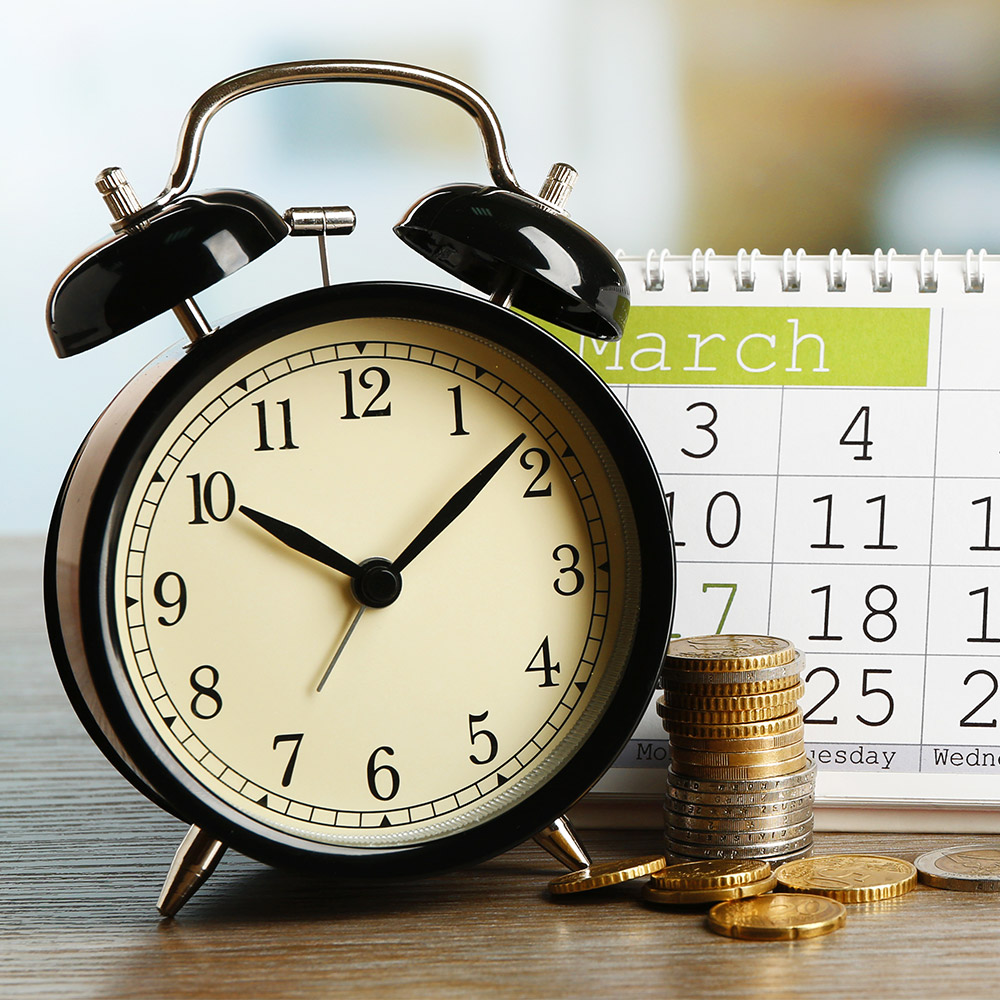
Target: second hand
[341,647]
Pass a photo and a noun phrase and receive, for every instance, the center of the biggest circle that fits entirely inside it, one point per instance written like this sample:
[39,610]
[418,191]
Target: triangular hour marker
[361,345]
[170,719]
[568,453]
[129,601]
[262,801]
[242,384]
[581,685]
[157,478]
[501,780]
[385,821]
[604,566]
[480,372]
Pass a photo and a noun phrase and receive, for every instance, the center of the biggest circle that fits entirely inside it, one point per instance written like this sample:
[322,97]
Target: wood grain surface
[83,856]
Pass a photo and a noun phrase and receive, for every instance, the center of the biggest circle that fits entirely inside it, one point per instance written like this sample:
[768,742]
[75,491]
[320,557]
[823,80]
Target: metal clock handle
[324,71]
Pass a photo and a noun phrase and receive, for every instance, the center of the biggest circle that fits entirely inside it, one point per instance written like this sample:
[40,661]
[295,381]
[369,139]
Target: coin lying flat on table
[688,897]
[606,873]
[967,868]
[779,916]
[710,874]
[849,878]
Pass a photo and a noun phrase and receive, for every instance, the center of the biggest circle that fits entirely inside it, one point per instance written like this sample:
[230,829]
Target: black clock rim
[198,363]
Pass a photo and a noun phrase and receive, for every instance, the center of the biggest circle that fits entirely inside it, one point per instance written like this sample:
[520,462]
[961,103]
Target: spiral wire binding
[791,280]
[746,268]
[837,281]
[700,278]
[746,278]
[882,274]
[654,273]
[928,282]
[974,282]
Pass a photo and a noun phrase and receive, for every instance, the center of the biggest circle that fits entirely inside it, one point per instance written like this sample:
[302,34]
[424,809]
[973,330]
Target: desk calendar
[827,432]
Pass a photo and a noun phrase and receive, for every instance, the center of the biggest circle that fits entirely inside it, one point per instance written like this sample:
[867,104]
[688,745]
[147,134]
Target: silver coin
[741,838]
[736,823]
[967,868]
[677,854]
[782,807]
[777,852]
[806,775]
[799,792]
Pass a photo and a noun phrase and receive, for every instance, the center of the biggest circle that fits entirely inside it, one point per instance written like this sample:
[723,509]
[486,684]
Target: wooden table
[83,855]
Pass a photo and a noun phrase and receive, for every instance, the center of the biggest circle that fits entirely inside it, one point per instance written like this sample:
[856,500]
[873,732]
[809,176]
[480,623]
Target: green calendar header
[763,345]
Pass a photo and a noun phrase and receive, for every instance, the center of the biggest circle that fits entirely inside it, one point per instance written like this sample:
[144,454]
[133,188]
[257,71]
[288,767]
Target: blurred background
[768,124]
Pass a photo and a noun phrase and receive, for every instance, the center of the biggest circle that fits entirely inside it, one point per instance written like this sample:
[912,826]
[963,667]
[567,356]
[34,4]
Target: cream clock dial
[496,639]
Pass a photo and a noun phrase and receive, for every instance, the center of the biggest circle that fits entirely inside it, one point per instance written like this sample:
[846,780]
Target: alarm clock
[376,579]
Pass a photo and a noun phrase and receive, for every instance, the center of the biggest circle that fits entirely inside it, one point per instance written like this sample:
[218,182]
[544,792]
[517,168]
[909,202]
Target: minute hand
[455,506]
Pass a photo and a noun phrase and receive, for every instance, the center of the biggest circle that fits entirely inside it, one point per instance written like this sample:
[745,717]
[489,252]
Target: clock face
[372,581]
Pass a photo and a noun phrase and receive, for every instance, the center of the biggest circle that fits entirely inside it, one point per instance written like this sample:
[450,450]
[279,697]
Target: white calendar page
[831,459]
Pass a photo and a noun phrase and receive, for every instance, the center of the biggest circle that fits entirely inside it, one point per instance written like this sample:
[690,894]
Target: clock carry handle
[324,71]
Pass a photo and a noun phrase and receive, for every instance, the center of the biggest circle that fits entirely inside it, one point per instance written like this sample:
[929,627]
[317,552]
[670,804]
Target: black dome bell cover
[497,240]
[135,276]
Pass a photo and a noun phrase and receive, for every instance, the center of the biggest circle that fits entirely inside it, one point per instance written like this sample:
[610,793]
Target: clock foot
[194,861]
[561,842]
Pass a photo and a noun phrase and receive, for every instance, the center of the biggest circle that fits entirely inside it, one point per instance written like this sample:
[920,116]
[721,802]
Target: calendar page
[827,433]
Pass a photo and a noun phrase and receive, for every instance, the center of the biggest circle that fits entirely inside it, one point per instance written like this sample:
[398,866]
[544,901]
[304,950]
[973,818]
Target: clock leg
[194,861]
[561,842]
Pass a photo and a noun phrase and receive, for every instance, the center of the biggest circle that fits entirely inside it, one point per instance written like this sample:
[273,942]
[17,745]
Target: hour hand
[302,541]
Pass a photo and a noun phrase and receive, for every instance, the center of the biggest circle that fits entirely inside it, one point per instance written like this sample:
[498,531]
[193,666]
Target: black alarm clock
[376,579]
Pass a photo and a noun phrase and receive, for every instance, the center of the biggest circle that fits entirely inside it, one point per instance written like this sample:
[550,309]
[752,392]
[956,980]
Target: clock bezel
[79,578]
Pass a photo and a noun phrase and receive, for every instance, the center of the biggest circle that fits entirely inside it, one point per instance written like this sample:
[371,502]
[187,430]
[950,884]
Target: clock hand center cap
[378,584]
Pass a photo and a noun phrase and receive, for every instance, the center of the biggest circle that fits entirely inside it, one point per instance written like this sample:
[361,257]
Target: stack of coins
[739,784]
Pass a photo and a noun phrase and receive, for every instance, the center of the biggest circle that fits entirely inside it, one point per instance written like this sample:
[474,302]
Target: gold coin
[752,744]
[678,710]
[733,681]
[968,868]
[749,758]
[728,652]
[850,878]
[742,772]
[780,916]
[736,730]
[710,874]
[687,897]
[606,873]
[784,700]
